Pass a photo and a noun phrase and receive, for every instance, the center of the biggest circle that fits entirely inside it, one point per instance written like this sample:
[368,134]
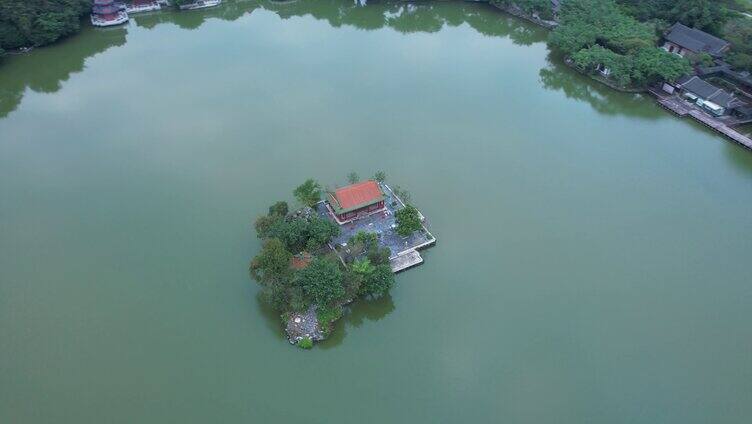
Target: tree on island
[279,209]
[380,176]
[272,263]
[320,231]
[353,177]
[322,282]
[370,275]
[308,193]
[362,267]
[378,282]
[373,280]
[365,243]
[271,269]
[408,220]
[301,233]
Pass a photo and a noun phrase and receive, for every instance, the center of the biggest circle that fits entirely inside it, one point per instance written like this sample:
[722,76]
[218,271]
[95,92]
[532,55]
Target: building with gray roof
[682,40]
[706,95]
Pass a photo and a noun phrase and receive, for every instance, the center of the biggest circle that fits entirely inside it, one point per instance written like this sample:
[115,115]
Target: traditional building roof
[708,91]
[356,196]
[301,260]
[697,41]
[105,7]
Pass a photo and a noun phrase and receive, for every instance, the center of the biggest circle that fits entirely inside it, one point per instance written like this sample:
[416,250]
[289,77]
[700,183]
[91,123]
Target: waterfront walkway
[682,109]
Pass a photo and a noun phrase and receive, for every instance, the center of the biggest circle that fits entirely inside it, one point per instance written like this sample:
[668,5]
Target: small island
[325,255]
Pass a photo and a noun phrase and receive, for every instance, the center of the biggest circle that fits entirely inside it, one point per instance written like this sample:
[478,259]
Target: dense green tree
[264,225]
[373,280]
[308,193]
[585,23]
[272,264]
[322,282]
[362,267]
[594,56]
[645,66]
[379,255]
[364,240]
[738,32]
[292,232]
[353,177]
[652,65]
[25,23]
[737,5]
[279,209]
[300,233]
[368,244]
[703,14]
[597,34]
[320,231]
[380,176]
[701,59]
[352,283]
[408,220]
[708,15]
[378,281]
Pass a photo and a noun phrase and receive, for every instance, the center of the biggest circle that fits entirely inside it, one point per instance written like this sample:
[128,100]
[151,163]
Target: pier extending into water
[405,260]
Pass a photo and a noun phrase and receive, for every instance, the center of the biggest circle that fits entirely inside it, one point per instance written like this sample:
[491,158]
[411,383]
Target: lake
[592,263]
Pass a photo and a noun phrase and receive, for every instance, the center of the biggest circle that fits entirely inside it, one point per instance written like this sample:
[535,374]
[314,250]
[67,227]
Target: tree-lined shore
[620,34]
[34,23]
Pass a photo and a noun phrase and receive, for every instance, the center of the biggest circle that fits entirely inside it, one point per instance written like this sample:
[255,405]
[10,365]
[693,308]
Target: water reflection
[45,69]
[271,317]
[229,11]
[361,311]
[408,18]
[557,76]
[739,158]
[367,309]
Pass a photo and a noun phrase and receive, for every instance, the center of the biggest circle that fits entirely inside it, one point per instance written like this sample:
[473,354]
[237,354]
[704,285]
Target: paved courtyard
[382,223]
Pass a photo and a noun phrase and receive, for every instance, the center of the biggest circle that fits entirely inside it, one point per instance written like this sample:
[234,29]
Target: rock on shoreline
[302,325]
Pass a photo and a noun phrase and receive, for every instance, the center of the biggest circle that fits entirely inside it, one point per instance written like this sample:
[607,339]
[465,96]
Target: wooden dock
[722,128]
[679,108]
[405,260]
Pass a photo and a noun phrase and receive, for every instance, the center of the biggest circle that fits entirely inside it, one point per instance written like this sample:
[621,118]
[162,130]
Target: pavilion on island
[360,198]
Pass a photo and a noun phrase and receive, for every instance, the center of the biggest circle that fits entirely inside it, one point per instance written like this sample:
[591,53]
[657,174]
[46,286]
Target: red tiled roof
[363,193]
[301,261]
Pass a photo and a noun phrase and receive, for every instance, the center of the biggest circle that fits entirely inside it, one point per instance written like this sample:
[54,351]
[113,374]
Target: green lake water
[593,256]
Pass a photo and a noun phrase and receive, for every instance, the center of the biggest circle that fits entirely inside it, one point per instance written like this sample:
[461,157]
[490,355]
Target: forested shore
[34,23]
[622,33]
